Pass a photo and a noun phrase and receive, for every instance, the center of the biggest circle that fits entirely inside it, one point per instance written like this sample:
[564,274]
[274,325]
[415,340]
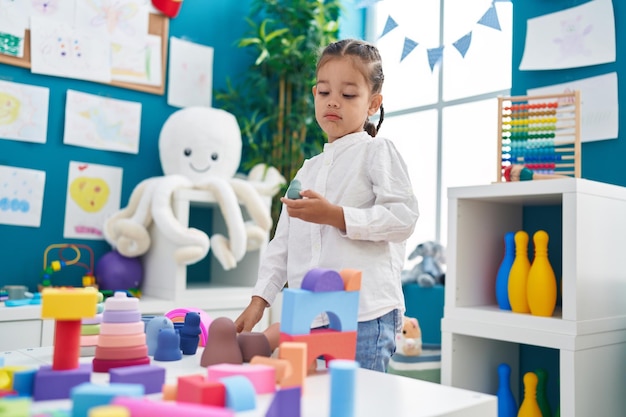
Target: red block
[197,389]
[329,343]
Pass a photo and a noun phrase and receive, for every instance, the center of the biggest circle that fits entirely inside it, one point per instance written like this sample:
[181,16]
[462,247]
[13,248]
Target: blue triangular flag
[409,45]
[463,44]
[434,56]
[389,26]
[490,18]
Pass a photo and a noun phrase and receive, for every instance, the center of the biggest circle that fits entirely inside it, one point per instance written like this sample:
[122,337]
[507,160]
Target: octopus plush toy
[199,148]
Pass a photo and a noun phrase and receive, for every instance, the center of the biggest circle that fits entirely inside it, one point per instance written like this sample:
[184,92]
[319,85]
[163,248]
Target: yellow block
[109,411]
[68,303]
[6,376]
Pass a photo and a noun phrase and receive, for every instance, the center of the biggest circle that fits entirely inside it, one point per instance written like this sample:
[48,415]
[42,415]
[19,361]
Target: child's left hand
[314,208]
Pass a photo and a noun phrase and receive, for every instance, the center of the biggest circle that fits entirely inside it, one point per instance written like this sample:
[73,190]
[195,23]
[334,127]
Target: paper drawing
[97,122]
[191,74]
[59,10]
[599,105]
[21,196]
[14,15]
[60,50]
[23,112]
[93,194]
[12,41]
[575,37]
[137,63]
[117,20]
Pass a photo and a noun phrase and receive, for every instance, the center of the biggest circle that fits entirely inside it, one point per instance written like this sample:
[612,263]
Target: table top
[377,394]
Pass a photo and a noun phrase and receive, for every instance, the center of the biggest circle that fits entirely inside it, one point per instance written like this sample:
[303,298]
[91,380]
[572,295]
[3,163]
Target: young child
[357,207]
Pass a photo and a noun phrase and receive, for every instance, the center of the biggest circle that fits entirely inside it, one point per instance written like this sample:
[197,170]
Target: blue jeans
[376,341]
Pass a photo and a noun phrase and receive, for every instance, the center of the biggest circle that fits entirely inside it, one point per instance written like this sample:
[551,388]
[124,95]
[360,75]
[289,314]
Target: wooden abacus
[539,137]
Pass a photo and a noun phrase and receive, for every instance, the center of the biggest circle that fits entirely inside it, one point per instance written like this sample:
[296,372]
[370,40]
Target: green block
[15,407]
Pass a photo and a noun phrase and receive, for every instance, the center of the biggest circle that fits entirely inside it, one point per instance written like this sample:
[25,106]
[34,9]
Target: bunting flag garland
[409,45]
[462,45]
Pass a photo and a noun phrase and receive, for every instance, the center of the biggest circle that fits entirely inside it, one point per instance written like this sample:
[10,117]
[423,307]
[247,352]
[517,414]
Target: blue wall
[601,160]
[213,23]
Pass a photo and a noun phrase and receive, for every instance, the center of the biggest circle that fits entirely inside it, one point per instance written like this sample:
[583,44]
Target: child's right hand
[251,315]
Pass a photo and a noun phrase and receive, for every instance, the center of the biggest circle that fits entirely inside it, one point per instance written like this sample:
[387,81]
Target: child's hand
[314,208]
[251,315]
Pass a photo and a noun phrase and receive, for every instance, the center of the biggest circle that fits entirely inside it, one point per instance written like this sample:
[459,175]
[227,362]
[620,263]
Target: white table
[377,394]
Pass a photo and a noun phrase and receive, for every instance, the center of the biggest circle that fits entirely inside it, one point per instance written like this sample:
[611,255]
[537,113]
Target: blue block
[300,307]
[24,382]
[342,387]
[88,395]
[426,305]
[240,393]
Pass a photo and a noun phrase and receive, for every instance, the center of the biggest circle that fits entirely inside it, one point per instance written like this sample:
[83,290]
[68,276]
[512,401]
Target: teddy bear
[409,340]
[430,270]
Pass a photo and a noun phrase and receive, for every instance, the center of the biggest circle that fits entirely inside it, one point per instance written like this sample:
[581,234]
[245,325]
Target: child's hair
[369,62]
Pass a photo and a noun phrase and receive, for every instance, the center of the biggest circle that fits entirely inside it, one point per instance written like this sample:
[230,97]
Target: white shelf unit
[225,293]
[588,330]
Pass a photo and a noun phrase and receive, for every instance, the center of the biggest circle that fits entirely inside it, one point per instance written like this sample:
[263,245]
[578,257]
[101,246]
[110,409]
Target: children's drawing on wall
[21,196]
[599,105]
[98,122]
[59,10]
[14,14]
[93,194]
[23,112]
[191,74]
[60,50]
[575,37]
[116,20]
[139,63]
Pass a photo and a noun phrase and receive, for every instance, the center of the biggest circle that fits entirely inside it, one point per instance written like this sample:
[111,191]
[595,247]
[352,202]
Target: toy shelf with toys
[588,327]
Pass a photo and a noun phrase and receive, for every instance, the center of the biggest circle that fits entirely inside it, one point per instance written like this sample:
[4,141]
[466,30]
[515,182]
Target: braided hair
[368,60]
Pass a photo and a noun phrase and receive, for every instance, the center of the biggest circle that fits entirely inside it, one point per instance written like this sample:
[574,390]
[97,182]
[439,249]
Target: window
[445,64]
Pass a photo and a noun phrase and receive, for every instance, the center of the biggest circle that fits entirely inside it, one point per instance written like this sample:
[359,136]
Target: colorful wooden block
[300,307]
[262,377]
[68,303]
[322,280]
[14,407]
[282,367]
[351,279]
[296,354]
[327,343]
[55,385]
[150,408]
[109,411]
[342,387]
[198,390]
[151,377]
[286,403]
[88,395]
[240,395]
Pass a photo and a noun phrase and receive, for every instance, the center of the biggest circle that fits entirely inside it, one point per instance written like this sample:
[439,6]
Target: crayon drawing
[116,20]
[13,16]
[23,112]
[59,10]
[101,123]
[191,74]
[137,63]
[93,194]
[21,196]
[61,50]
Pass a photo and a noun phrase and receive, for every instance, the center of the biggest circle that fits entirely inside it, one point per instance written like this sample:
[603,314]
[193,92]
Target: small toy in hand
[409,340]
[430,270]
[293,192]
[517,172]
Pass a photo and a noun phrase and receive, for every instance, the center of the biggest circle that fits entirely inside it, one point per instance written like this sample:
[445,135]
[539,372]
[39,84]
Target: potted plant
[272,100]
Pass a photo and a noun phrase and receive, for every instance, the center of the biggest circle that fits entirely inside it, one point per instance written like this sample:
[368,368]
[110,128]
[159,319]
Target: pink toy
[197,389]
[262,377]
[151,408]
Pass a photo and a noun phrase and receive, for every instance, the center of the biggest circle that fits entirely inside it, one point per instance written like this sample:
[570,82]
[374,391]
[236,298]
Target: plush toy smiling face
[200,143]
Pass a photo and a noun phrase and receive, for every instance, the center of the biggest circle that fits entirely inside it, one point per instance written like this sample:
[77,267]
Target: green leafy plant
[272,100]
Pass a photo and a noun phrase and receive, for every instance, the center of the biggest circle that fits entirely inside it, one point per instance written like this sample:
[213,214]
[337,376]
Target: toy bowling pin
[507,406]
[542,392]
[529,407]
[502,278]
[541,289]
[518,277]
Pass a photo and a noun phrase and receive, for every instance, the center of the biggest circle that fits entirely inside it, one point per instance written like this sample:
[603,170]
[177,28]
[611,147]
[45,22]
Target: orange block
[198,390]
[351,279]
[282,367]
[296,354]
[329,343]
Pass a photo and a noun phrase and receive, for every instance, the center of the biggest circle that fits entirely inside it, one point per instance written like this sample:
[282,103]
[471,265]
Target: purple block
[121,316]
[152,377]
[286,403]
[56,385]
[322,280]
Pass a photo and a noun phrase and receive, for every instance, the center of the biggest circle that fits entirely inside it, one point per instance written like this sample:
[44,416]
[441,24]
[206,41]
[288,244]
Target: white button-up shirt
[368,178]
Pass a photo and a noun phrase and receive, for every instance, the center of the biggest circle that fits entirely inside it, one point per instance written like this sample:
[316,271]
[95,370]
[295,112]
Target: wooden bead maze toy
[79,251]
[539,137]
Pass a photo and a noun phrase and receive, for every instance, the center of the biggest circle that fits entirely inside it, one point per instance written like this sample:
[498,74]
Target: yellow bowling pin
[518,276]
[530,407]
[541,290]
